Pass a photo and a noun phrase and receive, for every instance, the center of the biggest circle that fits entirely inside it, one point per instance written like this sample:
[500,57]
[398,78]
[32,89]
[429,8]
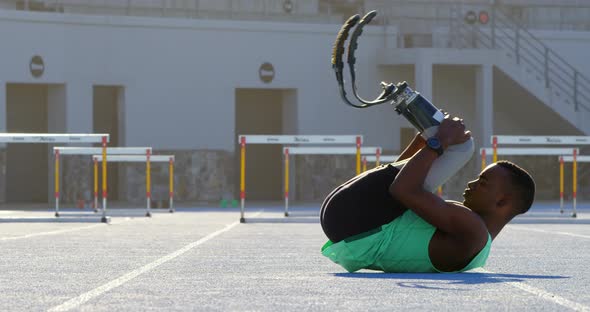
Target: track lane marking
[48,233]
[87,296]
[543,294]
[549,232]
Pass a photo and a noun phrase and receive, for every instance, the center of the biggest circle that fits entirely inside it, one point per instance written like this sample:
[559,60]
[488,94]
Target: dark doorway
[260,111]
[27,167]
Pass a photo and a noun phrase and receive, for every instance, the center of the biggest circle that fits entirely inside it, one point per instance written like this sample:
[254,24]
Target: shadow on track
[439,281]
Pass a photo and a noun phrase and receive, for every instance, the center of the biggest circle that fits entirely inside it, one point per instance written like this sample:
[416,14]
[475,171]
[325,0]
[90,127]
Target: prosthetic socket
[422,114]
[426,118]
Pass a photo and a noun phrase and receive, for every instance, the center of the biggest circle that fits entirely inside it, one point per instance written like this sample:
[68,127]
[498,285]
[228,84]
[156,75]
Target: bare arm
[417,143]
[451,218]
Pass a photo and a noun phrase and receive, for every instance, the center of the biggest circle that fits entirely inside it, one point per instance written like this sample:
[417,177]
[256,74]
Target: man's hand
[452,131]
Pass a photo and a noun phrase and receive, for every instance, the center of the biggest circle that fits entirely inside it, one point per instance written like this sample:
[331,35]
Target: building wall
[179,78]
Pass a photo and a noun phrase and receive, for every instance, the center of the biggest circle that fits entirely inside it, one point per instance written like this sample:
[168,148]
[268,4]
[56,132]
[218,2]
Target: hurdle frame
[571,140]
[319,150]
[537,151]
[59,151]
[53,138]
[497,140]
[148,158]
[575,159]
[357,140]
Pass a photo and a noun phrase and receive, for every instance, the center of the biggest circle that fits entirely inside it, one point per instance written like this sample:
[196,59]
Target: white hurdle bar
[53,138]
[574,160]
[535,151]
[320,150]
[536,140]
[382,158]
[62,150]
[50,138]
[148,159]
[356,140]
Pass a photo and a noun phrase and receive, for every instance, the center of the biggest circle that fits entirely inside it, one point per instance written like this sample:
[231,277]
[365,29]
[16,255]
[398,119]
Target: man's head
[502,187]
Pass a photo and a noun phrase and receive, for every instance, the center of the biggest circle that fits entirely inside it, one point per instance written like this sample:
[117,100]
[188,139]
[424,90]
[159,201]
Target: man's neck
[495,224]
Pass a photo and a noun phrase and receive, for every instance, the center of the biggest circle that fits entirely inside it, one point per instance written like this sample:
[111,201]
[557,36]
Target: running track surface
[203,259]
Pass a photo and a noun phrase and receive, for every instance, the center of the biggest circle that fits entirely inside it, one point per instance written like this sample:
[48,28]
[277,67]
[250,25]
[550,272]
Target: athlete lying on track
[389,219]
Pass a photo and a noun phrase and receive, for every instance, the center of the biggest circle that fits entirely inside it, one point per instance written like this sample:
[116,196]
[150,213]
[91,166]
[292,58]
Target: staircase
[528,61]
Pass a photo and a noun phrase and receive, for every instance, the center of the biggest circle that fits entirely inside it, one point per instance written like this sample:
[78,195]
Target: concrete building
[188,77]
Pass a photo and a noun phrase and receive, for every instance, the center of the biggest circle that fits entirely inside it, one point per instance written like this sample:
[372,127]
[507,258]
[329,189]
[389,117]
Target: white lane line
[543,294]
[548,232]
[49,233]
[77,301]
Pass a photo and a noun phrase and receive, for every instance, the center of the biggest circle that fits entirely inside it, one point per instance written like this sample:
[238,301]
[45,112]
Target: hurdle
[148,159]
[320,150]
[497,140]
[574,159]
[60,151]
[291,140]
[536,151]
[50,138]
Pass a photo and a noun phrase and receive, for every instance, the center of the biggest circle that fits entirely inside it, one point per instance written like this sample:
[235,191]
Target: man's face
[482,194]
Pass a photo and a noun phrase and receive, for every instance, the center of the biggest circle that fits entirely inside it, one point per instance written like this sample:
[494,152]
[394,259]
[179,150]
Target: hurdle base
[149,215]
[574,215]
[171,211]
[105,219]
[286,214]
[57,214]
[242,220]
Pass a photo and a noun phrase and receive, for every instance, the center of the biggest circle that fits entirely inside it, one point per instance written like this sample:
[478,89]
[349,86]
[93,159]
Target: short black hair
[522,183]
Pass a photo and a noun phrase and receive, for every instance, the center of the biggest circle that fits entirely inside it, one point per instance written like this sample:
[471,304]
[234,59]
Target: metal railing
[501,32]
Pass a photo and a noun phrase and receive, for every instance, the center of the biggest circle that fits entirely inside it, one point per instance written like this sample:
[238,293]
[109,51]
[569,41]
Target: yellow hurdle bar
[561,184]
[242,177]
[148,182]
[95,185]
[56,183]
[575,187]
[286,182]
[104,180]
[495,147]
[171,176]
